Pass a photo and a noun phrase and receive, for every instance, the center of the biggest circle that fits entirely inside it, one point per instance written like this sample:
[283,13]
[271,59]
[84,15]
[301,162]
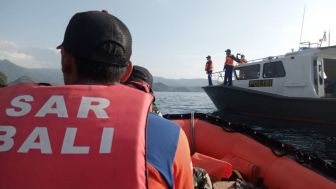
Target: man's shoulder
[158,121]
[162,131]
[162,140]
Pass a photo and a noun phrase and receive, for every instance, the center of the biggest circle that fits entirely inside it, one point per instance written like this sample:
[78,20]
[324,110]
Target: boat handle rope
[299,156]
[278,148]
[229,128]
[279,151]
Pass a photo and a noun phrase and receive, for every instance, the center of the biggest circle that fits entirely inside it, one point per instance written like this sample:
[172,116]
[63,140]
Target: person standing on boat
[240,60]
[243,59]
[92,132]
[228,68]
[209,69]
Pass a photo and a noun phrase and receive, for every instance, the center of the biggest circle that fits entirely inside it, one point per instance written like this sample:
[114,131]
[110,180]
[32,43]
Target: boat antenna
[304,10]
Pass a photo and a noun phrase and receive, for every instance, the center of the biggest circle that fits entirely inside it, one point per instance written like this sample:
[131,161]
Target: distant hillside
[182,82]
[162,87]
[179,85]
[22,79]
[15,73]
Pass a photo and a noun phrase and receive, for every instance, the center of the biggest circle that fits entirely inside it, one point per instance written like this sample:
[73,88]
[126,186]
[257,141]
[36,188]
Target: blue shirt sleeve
[161,142]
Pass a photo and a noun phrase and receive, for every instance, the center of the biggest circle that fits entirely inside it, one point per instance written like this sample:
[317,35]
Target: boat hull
[255,103]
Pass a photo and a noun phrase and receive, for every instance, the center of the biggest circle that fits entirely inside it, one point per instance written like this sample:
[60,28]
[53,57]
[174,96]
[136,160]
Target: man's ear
[127,73]
[68,67]
[68,62]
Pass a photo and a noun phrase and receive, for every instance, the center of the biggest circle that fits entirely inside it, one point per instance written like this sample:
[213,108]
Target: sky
[170,37]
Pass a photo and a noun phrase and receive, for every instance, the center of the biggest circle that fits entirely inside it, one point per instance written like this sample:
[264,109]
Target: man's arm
[235,58]
[182,167]
[168,155]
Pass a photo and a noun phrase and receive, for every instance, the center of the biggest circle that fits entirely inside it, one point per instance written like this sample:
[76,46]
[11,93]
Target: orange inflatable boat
[220,146]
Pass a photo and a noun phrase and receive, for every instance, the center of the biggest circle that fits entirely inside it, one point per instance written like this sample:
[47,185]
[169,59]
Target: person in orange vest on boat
[209,69]
[141,76]
[91,132]
[240,60]
[228,68]
[243,59]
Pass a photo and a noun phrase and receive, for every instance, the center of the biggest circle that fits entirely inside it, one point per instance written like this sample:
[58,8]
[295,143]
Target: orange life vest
[243,61]
[209,66]
[75,136]
[229,61]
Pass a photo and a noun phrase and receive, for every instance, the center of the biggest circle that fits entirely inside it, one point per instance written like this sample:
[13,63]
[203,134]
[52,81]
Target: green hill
[15,73]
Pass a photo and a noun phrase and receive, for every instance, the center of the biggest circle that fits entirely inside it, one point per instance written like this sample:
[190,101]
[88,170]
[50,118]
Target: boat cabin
[309,72]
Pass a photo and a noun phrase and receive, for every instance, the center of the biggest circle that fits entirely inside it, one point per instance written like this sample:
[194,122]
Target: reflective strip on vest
[74,136]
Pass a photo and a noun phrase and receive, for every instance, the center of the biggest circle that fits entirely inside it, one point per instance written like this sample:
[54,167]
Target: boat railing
[218,77]
[269,58]
[308,45]
[256,60]
[302,46]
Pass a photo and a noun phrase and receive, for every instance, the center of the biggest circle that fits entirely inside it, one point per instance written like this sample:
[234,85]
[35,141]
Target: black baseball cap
[228,50]
[93,34]
[208,56]
[141,73]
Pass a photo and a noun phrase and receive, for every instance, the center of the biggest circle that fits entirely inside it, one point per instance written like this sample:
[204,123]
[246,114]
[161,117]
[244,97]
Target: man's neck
[92,82]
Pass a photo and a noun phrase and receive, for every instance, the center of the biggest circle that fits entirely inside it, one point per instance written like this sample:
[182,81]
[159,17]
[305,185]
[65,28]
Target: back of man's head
[141,74]
[100,43]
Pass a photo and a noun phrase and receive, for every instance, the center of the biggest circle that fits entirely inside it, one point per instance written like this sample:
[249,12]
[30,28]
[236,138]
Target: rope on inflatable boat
[307,159]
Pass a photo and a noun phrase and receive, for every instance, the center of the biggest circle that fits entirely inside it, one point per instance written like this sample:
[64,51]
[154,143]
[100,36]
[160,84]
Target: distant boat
[220,146]
[297,86]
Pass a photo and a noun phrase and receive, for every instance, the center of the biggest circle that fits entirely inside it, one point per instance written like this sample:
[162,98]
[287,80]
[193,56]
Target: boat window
[273,69]
[329,76]
[247,72]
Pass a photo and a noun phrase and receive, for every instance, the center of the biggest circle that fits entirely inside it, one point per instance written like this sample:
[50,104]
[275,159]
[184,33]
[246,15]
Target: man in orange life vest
[209,69]
[140,75]
[228,68]
[240,60]
[93,132]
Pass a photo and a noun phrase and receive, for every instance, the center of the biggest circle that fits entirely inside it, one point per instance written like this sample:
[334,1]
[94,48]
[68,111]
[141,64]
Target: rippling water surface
[317,139]
[184,102]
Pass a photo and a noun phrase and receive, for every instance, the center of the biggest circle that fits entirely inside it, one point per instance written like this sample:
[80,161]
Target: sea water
[184,102]
[316,139]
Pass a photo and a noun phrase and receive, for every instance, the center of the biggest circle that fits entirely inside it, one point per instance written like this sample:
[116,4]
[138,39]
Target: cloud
[29,57]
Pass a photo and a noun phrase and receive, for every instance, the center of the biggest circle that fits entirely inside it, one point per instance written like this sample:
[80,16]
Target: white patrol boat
[299,85]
